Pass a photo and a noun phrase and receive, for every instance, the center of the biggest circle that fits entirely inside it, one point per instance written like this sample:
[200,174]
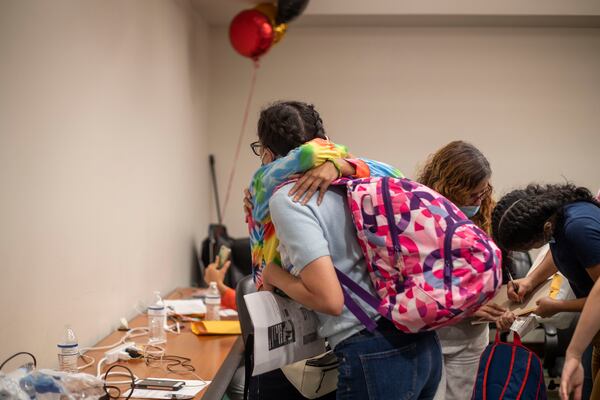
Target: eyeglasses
[479,196]
[256,148]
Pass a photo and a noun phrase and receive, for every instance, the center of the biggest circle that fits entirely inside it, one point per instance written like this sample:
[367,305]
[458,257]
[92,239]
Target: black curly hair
[285,125]
[519,217]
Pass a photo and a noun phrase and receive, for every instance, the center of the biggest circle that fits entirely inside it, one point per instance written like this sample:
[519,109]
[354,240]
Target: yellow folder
[217,328]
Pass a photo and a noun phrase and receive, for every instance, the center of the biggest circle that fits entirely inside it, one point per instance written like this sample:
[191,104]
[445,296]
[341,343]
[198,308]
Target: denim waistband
[386,326]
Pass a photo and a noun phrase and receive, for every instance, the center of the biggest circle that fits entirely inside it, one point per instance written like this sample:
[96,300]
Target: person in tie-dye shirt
[314,238]
[312,149]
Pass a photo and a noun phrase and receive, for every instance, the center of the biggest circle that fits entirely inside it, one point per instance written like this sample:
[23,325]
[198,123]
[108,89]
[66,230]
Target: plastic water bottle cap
[69,339]
[212,288]
[158,299]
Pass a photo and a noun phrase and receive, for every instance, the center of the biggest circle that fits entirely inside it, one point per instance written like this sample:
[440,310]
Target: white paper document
[188,391]
[227,312]
[284,331]
[524,325]
[186,306]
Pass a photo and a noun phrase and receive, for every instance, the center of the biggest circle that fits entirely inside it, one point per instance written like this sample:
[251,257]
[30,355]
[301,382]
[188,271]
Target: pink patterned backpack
[430,265]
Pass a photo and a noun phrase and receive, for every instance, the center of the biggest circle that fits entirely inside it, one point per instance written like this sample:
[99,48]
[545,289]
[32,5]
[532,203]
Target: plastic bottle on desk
[157,317]
[213,302]
[68,351]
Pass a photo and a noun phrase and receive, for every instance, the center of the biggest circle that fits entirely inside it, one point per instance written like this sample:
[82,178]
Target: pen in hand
[512,281]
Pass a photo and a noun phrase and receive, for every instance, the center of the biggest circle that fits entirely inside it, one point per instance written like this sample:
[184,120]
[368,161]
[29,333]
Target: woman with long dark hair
[567,217]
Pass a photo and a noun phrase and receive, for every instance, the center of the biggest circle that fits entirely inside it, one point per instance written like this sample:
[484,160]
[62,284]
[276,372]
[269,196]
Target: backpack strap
[497,340]
[448,252]
[517,339]
[352,305]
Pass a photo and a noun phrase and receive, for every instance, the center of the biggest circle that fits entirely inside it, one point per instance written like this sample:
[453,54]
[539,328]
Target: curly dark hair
[285,125]
[519,217]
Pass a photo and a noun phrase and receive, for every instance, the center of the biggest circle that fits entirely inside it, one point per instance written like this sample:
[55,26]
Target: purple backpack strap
[353,305]
[448,267]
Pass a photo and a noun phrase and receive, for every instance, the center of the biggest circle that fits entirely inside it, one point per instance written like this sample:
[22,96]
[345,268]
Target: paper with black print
[284,331]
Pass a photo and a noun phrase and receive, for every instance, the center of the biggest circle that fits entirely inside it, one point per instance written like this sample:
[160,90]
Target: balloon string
[241,136]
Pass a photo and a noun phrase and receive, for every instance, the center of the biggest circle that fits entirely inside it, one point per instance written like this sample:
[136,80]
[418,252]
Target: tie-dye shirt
[263,240]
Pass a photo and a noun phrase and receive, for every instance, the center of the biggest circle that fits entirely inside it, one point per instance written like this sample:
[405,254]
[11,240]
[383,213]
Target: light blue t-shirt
[309,232]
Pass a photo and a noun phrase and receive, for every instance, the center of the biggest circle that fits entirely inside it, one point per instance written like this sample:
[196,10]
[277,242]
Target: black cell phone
[159,384]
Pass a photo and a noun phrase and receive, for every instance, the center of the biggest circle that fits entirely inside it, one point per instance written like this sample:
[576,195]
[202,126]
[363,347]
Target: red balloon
[251,33]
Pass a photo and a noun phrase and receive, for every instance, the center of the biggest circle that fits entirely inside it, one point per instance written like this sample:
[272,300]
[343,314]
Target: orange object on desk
[228,299]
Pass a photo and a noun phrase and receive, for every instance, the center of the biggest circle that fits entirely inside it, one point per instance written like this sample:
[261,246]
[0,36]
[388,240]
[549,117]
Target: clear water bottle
[157,319]
[213,302]
[68,351]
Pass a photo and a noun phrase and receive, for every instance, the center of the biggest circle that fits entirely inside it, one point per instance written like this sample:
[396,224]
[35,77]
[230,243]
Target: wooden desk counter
[207,353]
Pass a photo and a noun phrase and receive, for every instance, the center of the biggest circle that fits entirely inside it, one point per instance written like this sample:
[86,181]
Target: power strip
[118,353]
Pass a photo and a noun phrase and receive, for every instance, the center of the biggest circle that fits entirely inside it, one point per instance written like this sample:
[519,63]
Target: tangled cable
[18,354]
[172,362]
[112,385]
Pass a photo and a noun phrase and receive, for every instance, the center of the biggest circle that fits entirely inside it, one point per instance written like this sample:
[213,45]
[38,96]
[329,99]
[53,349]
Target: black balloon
[287,10]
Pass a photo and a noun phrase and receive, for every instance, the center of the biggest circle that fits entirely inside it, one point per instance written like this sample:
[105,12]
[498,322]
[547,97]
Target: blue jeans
[389,364]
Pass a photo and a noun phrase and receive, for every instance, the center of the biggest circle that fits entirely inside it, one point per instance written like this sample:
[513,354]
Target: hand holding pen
[518,288]
[512,283]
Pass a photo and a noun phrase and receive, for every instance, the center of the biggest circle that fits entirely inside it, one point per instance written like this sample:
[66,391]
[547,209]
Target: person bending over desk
[567,217]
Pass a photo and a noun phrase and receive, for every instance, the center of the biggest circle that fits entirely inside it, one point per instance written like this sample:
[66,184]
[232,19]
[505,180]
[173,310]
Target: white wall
[107,108]
[528,98]
[102,162]
[456,7]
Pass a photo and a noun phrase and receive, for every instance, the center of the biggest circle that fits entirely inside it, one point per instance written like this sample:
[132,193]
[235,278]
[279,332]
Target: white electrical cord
[89,363]
[143,330]
[174,328]
[99,367]
[132,333]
